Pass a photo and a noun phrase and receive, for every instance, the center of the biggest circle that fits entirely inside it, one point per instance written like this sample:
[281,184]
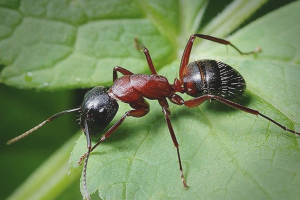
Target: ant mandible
[201,79]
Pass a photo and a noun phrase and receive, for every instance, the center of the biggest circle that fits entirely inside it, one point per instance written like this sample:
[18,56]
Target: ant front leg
[187,51]
[199,100]
[139,112]
[133,113]
[167,113]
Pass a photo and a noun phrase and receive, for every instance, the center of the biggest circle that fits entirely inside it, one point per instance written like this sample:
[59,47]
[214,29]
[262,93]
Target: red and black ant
[201,79]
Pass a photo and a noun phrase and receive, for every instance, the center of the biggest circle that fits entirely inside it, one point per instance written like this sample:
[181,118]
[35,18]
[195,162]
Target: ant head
[97,110]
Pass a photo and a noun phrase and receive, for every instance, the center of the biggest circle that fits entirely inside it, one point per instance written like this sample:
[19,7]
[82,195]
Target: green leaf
[225,153]
[76,44]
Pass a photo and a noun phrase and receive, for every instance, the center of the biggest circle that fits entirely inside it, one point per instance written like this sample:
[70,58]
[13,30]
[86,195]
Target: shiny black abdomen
[212,77]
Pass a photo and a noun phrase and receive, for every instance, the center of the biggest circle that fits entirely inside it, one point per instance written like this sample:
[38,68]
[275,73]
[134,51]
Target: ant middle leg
[199,100]
[167,113]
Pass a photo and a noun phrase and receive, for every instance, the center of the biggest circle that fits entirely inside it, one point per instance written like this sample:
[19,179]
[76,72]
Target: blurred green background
[22,110]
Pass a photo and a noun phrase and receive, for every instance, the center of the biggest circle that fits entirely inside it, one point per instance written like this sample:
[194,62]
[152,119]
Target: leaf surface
[76,44]
[225,153]
[53,45]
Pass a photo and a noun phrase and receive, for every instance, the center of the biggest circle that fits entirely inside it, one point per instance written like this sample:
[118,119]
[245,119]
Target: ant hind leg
[199,100]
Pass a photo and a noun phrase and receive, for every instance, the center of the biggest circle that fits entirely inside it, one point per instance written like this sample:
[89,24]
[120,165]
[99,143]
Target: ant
[201,79]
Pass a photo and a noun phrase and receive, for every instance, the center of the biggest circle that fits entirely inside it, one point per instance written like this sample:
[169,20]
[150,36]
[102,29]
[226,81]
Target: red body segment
[131,88]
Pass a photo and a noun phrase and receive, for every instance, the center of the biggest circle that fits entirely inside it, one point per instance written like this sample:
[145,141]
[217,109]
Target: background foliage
[59,45]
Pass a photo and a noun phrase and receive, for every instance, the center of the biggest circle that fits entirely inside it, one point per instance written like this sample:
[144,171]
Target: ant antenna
[40,125]
[89,146]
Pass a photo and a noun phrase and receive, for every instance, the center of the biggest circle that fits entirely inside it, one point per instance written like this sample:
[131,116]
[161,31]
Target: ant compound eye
[102,113]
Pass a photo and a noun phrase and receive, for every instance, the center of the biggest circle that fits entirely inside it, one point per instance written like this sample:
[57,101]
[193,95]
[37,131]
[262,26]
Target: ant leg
[187,51]
[132,113]
[141,47]
[149,60]
[138,112]
[167,113]
[121,70]
[142,108]
[199,100]
[226,42]
[176,99]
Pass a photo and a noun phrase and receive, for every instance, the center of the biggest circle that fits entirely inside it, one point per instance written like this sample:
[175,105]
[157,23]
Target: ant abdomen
[212,77]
